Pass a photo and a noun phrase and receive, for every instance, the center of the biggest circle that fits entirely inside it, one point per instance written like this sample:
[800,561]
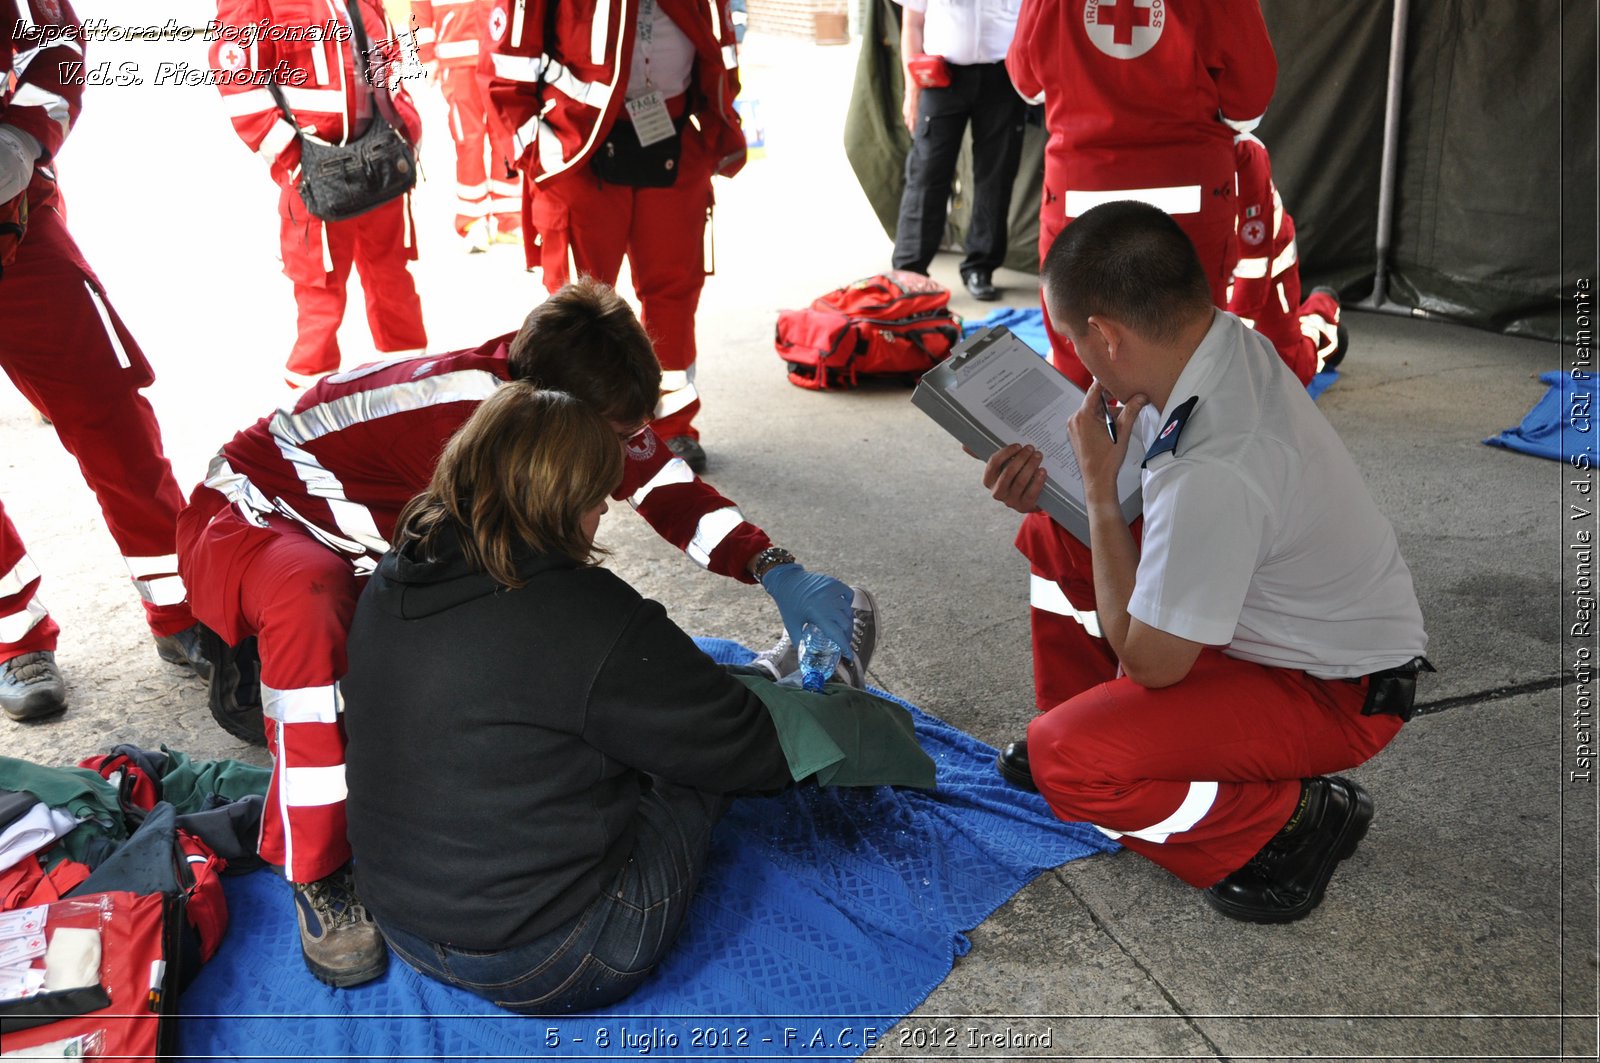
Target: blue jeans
[603,953]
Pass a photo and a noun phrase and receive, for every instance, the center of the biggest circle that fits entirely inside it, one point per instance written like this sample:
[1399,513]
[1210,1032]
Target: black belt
[1392,691]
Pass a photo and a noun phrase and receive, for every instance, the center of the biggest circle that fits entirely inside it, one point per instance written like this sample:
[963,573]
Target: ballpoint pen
[1111,422]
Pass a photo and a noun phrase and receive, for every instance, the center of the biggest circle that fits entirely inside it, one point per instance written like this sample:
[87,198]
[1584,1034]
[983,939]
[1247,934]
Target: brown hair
[520,473]
[585,340]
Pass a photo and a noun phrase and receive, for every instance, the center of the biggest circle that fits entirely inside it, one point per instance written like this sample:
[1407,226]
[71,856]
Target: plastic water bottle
[819,656]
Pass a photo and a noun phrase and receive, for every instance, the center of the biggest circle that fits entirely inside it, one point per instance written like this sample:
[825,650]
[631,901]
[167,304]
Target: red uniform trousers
[317,257]
[586,225]
[1304,333]
[1211,229]
[70,355]
[296,596]
[1196,776]
[483,189]
[25,625]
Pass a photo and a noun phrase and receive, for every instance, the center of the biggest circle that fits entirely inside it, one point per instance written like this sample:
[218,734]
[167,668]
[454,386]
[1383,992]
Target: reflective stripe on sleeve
[709,533]
[676,471]
[251,101]
[280,136]
[457,49]
[1252,268]
[1286,258]
[1174,199]
[1047,595]
[55,106]
[302,705]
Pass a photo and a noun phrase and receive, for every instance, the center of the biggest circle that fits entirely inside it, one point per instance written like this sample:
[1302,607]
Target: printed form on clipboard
[995,390]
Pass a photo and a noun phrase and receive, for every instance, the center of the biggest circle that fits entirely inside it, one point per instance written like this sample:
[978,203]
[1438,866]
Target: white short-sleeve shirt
[1259,534]
[967,32]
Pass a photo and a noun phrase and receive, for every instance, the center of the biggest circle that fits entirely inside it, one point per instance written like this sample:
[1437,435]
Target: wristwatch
[769,559]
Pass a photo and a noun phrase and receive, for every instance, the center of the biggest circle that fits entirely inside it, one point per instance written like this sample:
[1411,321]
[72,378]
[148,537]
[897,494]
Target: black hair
[1128,261]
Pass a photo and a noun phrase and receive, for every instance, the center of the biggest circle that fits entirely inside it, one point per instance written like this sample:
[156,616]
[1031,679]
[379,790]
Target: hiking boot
[857,657]
[689,449]
[1286,879]
[338,938]
[31,686]
[185,650]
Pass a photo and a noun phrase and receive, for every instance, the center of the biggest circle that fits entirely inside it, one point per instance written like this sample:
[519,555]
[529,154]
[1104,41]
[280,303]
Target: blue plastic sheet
[824,916]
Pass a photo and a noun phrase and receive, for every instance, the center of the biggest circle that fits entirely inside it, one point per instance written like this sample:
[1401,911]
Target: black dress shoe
[1286,879]
[980,286]
[1013,765]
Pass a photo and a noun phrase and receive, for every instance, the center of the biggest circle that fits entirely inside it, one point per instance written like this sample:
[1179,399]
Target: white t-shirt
[663,58]
[967,32]
[1259,534]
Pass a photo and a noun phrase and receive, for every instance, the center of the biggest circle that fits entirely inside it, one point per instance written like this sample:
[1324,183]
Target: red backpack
[892,324]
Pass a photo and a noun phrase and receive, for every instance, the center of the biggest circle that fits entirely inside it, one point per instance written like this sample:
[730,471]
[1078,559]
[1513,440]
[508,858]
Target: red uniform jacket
[39,45]
[560,69]
[355,448]
[309,51]
[1133,89]
[449,31]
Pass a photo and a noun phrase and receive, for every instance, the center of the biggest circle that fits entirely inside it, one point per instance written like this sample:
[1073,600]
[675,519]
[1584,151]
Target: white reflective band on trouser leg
[15,625]
[1176,199]
[709,533]
[673,401]
[676,471]
[1047,595]
[302,705]
[22,573]
[307,787]
[156,579]
[1201,796]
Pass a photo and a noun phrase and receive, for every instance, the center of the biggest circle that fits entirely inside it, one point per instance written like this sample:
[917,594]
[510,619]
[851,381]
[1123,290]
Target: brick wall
[794,18]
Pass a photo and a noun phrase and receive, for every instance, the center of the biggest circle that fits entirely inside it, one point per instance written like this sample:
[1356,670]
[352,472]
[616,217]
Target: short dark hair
[585,340]
[1129,261]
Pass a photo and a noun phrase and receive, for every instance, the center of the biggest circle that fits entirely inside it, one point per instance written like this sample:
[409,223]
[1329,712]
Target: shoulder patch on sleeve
[1167,439]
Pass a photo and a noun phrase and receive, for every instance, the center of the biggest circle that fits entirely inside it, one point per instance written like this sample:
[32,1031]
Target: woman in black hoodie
[537,754]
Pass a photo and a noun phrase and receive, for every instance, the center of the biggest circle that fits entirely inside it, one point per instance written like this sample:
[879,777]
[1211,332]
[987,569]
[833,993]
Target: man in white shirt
[1265,630]
[971,37]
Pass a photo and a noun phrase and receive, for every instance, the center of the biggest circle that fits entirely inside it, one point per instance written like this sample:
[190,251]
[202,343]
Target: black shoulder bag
[342,181]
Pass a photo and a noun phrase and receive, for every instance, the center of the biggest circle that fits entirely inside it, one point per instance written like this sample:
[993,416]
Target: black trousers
[983,95]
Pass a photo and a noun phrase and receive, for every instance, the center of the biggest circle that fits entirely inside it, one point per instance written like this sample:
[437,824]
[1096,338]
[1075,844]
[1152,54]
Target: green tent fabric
[876,143]
[843,736]
[1494,212]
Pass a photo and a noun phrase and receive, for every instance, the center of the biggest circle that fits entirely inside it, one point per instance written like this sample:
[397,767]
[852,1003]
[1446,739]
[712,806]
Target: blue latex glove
[804,596]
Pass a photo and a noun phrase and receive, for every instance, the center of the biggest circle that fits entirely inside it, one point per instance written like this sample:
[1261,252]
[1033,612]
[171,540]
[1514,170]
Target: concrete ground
[1465,926]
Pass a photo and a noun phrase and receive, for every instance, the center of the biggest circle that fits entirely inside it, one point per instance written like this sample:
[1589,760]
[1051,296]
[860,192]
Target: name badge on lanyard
[651,122]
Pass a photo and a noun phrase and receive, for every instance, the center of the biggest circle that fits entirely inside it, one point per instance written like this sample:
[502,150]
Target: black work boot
[1286,879]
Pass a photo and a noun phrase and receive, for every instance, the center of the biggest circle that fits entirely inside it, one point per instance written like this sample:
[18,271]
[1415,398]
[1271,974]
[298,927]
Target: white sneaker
[781,660]
[477,237]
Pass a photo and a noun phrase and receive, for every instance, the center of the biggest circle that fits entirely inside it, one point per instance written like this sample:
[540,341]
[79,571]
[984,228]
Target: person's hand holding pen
[1100,441]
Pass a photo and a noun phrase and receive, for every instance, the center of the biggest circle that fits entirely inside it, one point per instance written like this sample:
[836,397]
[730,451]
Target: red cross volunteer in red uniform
[488,194]
[310,51]
[297,509]
[1265,290]
[598,93]
[71,356]
[1263,635]
[1136,94]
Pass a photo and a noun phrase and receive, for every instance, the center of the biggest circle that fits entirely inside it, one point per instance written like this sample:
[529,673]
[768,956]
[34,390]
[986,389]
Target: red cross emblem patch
[1253,231]
[1124,29]
[231,57]
[497,23]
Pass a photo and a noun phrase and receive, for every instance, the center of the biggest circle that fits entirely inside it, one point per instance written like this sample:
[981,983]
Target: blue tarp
[823,917]
[1560,426]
